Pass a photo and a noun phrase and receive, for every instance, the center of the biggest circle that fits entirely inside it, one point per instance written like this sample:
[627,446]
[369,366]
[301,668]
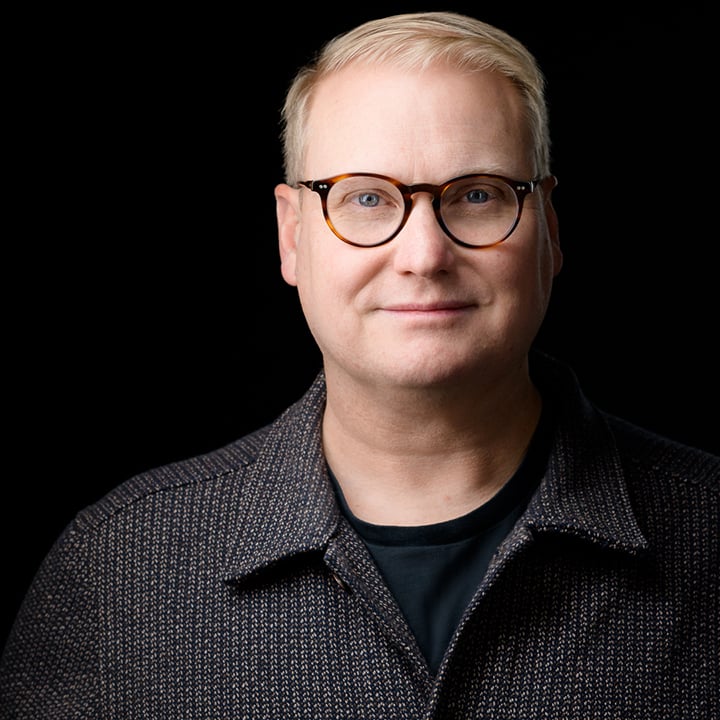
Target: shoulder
[673,488]
[648,456]
[645,456]
[674,491]
[212,490]
[645,453]
[220,470]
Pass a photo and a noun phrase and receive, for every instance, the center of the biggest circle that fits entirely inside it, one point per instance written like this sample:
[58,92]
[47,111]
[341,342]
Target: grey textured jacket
[230,586]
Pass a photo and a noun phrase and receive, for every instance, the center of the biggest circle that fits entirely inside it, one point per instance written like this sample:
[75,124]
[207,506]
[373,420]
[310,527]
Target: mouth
[429,311]
[444,306]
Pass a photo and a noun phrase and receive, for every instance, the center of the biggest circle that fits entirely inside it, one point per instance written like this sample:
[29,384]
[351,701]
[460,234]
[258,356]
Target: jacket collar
[289,506]
[288,503]
[584,492]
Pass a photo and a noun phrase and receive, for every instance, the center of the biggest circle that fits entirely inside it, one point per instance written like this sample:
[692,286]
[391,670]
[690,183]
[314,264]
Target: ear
[551,218]
[287,210]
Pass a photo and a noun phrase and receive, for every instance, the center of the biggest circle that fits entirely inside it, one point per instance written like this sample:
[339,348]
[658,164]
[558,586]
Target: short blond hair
[415,41]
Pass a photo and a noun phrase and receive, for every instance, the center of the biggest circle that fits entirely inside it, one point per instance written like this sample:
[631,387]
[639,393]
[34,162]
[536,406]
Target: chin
[437,371]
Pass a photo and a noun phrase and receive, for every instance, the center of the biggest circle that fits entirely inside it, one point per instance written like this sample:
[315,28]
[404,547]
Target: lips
[429,307]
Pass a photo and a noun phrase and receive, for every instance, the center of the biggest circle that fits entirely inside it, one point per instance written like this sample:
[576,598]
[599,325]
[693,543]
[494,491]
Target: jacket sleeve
[49,666]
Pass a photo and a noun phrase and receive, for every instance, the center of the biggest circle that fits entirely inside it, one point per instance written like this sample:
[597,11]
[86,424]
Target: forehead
[417,125]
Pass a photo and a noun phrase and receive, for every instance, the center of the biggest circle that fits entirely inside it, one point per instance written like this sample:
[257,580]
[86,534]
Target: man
[443,526]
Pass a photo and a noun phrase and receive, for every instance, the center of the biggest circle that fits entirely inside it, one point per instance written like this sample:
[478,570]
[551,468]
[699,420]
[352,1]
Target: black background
[146,318]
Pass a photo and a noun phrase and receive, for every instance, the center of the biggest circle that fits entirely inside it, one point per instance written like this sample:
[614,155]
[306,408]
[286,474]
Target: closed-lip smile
[428,307]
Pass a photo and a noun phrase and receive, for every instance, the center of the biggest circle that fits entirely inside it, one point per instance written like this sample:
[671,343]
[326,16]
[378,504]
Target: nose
[422,247]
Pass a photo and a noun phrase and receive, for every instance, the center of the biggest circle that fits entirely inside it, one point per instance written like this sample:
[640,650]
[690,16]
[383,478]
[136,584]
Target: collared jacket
[231,586]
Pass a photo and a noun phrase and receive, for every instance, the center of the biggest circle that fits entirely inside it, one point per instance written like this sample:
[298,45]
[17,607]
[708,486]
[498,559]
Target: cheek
[330,269]
[524,271]
[326,275]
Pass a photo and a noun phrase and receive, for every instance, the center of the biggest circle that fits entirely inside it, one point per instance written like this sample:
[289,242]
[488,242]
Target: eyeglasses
[475,211]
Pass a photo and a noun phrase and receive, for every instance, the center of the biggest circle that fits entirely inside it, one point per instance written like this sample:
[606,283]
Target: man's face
[419,310]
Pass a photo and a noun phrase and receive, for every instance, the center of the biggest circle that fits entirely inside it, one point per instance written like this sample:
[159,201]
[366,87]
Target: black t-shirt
[434,570]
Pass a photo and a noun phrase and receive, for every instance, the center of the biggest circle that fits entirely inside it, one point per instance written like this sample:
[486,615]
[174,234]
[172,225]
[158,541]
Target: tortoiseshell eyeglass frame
[521,188]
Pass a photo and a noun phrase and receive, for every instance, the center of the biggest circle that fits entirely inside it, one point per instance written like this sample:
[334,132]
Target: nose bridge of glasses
[433,194]
[433,190]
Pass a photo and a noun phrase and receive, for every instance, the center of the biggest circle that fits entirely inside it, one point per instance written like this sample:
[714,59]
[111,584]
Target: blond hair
[415,41]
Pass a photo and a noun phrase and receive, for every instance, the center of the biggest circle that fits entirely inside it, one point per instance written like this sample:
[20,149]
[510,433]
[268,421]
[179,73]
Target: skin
[424,343]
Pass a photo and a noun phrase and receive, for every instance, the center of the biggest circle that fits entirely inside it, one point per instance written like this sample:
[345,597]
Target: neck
[416,456]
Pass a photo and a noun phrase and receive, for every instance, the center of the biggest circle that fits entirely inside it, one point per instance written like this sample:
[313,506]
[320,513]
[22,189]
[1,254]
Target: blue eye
[477,196]
[368,199]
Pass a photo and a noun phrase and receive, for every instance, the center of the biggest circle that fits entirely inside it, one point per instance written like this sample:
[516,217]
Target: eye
[368,199]
[477,195]
[363,196]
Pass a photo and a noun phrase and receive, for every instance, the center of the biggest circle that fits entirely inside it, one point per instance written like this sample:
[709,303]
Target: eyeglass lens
[476,210]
